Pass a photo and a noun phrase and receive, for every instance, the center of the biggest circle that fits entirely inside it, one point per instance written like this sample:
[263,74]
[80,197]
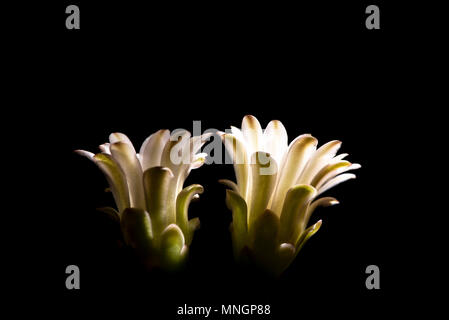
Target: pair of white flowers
[275,194]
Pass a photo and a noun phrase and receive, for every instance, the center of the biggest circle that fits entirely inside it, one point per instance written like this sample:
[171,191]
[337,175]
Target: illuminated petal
[196,142]
[252,131]
[339,157]
[173,153]
[319,159]
[120,137]
[116,178]
[263,176]
[330,171]
[238,153]
[105,148]
[275,140]
[86,154]
[198,160]
[173,156]
[114,175]
[191,159]
[237,133]
[125,155]
[298,155]
[152,147]
[334,181]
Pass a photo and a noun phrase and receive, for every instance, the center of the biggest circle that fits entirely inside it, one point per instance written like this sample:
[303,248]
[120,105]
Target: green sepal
[239,225]
[173,250]
[182,207]
[137,230]
[230,184]
[305,236]
[111,212]
[294,210]
[264,238]
[115,177]
[263,174]
[286,254]
[194,224]
[156,182]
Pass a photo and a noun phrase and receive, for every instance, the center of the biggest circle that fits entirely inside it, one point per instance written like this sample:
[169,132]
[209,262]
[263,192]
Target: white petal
[319,159]
[192,160]
[339,157]
[114,175]
[152,147]
[263,179]
[174,150]
[125,156]
[86,154]
[196,142]
[238,153]
[237,133]
[252,131]
[198,160]
[299,153]
[354,166]
[333,182]
[173,157]
[335,172]
[116,178]
[120,137]
[328,172]
[105,148]
[275,140]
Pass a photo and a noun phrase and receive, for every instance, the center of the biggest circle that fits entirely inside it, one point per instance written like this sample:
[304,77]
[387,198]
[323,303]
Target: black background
[136,68]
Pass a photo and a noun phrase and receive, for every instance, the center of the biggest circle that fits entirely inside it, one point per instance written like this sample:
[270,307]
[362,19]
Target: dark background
[136,68]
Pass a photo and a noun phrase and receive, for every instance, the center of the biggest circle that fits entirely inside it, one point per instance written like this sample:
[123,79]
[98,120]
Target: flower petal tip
[84,153]
[356,166]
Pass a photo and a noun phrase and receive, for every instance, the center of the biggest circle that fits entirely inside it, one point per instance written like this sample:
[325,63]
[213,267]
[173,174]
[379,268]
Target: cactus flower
[152,204]
[278,188]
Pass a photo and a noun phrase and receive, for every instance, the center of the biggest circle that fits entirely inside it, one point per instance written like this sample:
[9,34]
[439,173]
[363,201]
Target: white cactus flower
[152,204]
[277,189]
